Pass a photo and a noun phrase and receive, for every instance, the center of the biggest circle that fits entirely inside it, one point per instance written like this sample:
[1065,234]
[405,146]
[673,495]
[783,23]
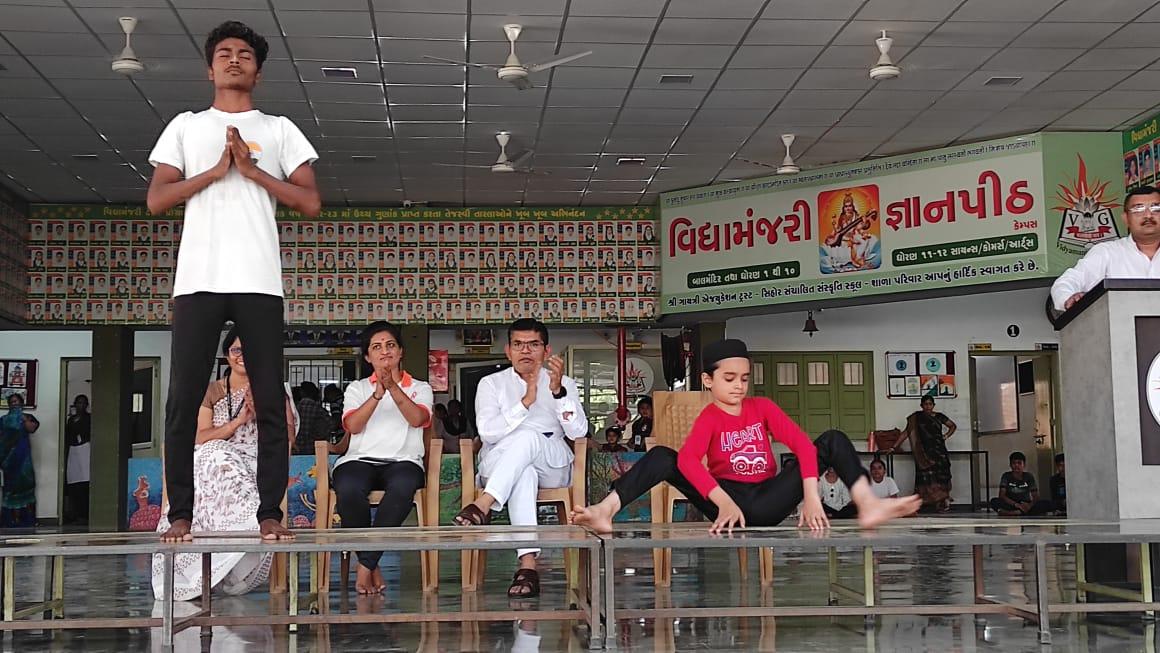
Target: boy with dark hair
[1018,493]
[642,427]
[231,165]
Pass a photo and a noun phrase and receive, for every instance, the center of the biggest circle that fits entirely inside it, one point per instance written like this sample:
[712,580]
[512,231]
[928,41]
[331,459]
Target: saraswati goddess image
[849,230]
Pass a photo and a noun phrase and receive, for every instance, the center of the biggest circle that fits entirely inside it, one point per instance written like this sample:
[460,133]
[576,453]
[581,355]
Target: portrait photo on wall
[18,377]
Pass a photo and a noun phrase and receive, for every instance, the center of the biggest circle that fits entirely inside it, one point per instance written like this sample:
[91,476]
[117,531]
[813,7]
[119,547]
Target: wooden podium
[1110,357]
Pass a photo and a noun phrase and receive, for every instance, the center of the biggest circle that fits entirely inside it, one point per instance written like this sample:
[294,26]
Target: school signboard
[1004,210]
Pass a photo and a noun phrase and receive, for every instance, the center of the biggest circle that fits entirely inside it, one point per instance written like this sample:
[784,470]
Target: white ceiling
[760,68]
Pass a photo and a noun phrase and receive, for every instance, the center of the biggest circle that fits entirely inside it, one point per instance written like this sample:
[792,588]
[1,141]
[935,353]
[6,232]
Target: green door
[819,390]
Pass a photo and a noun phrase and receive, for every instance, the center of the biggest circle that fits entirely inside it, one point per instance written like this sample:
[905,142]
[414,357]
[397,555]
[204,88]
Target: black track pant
[197,325]
[763,504]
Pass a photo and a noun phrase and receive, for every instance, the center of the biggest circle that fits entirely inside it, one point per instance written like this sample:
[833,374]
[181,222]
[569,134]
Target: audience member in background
[78,431]
[226,494]
[642,427]
[883,486]
[1059,487]
[313,417]
[1018,493]
[383,449]
[932,462]
[836,499]
[332,402]
[612,441]
[18,509]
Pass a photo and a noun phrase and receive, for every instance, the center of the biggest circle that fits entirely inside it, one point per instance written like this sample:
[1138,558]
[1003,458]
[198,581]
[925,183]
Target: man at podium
[1133,257]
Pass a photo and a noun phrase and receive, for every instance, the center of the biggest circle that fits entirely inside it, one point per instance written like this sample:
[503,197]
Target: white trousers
[514,470]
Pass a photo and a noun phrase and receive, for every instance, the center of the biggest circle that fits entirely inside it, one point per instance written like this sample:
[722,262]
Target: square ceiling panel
[977,33]
[991,10]
[701,30]
[420,26]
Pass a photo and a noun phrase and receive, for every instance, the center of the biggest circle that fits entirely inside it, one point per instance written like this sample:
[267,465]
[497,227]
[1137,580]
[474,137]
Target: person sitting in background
[642,427]
[836,499]
[383,446]
[438,417]
[1058,486]
[883,486]
[313,417]
[1018,493]
[612,441]
[225,484]
[332,402]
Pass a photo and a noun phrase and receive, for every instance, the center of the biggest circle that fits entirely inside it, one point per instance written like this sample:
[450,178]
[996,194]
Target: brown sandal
[525,584]
[471,515]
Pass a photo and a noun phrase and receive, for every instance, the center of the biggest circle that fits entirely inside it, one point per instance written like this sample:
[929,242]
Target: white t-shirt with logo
[387,436]
[229,243]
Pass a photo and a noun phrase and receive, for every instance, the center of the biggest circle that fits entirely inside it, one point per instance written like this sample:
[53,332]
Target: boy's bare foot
[178,532]
[380,583]
[597,517]
[272,529]
[876,512]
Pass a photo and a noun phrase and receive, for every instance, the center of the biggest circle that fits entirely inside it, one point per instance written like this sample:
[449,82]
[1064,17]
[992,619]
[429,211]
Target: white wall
[560,339]
[943,324]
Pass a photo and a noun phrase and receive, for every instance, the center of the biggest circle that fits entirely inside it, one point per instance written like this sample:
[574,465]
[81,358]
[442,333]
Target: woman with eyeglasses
[383,418]
[225,484]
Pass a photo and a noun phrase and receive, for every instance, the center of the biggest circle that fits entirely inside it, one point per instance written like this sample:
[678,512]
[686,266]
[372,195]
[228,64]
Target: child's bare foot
[178,532]
[597,517]
[272,529]
[379,582]
[876,512]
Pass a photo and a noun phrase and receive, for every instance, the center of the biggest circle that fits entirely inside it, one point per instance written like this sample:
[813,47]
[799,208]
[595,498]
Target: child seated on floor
[1018,493]
[835,496]
[884,487]
[741,485]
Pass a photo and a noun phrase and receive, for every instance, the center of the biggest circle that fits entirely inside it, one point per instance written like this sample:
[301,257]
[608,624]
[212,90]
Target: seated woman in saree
[225,484]
[932,463]
[18,509]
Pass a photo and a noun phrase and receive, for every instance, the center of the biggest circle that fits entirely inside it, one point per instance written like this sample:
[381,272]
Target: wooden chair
[475,562]
[426,505]
[673,417]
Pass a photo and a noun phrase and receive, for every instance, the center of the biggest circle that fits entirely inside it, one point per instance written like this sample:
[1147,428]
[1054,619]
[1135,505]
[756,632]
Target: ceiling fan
[787,167]
[503,164]
[512,71]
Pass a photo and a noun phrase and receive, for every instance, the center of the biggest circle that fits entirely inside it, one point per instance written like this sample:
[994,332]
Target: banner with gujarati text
[1005,210]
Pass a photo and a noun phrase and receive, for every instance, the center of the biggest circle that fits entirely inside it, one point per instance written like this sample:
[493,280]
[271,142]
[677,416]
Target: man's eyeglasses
[530,345]
[1139,209]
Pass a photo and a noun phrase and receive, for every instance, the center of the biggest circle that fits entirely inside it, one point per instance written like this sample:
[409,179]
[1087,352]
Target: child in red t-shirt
[740,485]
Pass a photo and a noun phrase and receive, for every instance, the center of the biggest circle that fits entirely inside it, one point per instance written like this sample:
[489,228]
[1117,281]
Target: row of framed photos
[910,375]
[426,232]
[148,285]
[141,258]
[341,312]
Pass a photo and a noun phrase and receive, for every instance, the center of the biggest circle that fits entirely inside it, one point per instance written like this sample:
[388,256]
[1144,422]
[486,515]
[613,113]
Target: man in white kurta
[523,415]
[1134,257]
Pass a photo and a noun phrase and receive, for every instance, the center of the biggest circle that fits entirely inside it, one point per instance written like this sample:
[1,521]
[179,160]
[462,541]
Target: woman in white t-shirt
[882,485]
[382,449]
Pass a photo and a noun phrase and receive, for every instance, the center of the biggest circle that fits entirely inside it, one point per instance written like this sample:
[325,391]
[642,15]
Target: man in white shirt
[523,415]
[1134,257]
[384,417]
[231,165]
[882,485]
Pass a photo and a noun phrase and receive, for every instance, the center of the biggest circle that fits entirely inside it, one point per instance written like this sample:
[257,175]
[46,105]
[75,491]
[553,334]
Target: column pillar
[112,435]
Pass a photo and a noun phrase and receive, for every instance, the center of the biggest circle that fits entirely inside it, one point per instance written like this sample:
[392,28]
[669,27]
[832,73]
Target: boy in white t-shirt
[384,417]
[882,485]
[231,165]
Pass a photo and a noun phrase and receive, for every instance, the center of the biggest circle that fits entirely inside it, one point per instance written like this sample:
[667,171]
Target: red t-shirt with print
[738,447]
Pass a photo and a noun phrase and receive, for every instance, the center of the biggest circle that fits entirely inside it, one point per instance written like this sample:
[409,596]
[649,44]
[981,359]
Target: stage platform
[924,580]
